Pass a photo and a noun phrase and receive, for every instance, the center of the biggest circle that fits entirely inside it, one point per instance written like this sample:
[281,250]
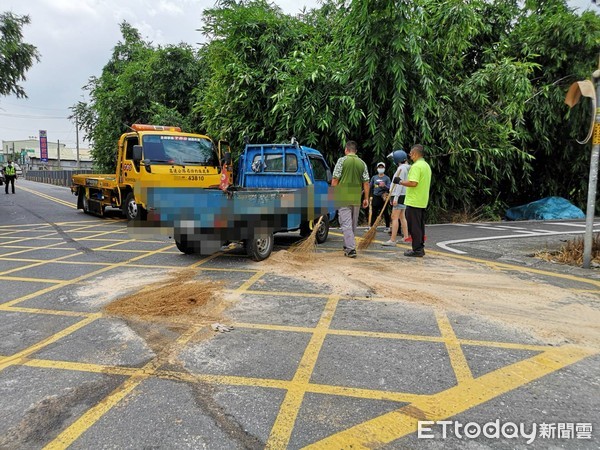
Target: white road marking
[444,245]
[511,227]
[580,225]
[491,228]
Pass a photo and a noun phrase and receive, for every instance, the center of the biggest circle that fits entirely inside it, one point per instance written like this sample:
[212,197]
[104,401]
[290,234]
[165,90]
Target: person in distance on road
[10,175]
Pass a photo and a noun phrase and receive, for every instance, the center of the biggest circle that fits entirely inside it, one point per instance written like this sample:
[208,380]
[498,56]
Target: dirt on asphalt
[555,315]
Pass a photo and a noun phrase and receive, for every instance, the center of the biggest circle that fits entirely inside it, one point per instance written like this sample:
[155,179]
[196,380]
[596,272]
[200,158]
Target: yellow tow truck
[152,155]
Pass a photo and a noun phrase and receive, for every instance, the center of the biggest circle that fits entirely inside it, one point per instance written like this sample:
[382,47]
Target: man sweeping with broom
[350,177]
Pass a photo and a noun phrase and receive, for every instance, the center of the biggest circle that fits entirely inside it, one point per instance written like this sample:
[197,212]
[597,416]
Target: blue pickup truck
[278,188]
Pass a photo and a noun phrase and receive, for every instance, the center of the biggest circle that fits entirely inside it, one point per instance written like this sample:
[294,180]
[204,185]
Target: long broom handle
[392,186]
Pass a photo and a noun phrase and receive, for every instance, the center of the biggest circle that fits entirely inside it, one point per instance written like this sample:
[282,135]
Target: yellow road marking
[78,279]
[457,357]
[41,224]
[76,263]
[227,380]
[52,312]
[287,294]
[31,266]
[28,249]
[284,423]
[30,238]
[81,367]
[49,197]
[17,357]
[30,280]
[249,282]
[388,335]
[92,415]
[396,424]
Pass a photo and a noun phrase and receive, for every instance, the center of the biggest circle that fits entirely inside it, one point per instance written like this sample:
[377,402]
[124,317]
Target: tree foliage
[16,56]
[140,84]
[480,83]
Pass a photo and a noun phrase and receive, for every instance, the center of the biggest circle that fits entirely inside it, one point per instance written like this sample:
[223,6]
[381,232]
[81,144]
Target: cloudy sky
[75,39]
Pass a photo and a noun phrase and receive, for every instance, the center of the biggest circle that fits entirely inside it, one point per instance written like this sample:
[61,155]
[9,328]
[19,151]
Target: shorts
[400,204]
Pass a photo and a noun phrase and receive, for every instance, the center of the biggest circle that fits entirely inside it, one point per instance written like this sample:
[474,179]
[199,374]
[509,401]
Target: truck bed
[96,180]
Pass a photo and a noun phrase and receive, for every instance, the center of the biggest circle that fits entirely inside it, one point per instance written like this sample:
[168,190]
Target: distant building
[27,154]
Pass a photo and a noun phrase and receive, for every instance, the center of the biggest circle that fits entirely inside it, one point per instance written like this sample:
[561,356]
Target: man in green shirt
[417,199]
[351,177]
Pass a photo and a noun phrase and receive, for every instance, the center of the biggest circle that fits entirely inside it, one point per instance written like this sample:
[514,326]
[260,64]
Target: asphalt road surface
[304,365]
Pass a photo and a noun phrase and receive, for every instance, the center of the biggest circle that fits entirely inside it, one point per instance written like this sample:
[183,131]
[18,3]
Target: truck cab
[149,155]
[287,166]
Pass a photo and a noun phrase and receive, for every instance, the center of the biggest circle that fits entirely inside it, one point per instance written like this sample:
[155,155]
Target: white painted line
[491,228]
[524,231]
[444,245]
[580,225]
[511,227]
[543,231]
[460,225]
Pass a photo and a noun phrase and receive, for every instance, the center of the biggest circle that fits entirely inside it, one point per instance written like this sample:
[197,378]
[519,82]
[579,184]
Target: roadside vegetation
[481,84]
[16,56]
[571,252]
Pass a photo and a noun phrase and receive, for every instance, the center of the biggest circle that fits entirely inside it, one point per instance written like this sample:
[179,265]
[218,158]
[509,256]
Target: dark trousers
[415,218]
[377,205]
[9,179]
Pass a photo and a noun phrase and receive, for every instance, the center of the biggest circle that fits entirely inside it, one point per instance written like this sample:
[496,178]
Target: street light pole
[588,239]
[77,139]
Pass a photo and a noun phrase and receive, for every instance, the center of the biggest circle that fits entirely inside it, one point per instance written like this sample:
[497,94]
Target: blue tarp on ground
[549,208]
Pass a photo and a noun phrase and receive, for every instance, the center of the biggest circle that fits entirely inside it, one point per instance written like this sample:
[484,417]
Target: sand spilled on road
[554,314]
[179,299]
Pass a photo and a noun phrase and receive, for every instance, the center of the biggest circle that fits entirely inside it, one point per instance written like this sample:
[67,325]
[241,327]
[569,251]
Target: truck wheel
[260,247]
[183,246]
[323,232]
[131,210]
[85,204]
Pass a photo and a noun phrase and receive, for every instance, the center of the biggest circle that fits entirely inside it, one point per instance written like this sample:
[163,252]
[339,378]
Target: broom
[367,239]
[308,246]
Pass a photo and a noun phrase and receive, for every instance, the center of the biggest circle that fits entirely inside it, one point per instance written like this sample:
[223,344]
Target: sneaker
[350,253]
[414,254]
[407,239]
[387,230]
[389,243]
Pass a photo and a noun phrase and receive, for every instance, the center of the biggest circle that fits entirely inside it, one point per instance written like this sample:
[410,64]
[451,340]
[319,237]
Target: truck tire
[85,205]
[259,247]
[323,232]
[131,210]
[183,245]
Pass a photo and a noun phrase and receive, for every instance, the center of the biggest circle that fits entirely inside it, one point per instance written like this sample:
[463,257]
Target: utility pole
[58,153]
[588,239]
[77,139]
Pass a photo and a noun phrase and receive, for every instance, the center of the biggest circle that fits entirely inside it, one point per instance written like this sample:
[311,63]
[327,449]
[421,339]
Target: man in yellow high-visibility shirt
[10,175]
[417,199]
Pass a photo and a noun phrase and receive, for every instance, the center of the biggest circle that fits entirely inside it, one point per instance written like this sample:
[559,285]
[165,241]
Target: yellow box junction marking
[396,424]
[468,393]
[284,423]
[457,357]
[91,416]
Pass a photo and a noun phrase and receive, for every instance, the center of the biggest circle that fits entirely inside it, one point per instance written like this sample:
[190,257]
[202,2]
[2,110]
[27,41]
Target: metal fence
[57,177]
